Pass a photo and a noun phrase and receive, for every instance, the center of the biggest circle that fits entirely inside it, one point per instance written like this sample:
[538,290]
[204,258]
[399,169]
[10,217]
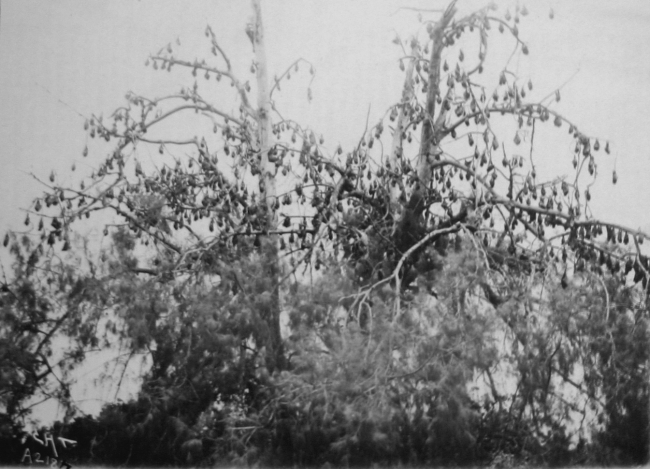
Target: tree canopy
[436,293]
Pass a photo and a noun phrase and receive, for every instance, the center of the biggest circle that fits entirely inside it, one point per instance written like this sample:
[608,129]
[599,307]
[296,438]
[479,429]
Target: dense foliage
[425,297]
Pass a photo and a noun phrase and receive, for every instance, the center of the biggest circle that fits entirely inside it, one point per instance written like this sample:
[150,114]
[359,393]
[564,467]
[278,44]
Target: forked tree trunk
[410,223]
[270,243]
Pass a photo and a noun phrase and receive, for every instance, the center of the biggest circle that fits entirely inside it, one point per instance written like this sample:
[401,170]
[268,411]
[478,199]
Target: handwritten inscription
[48,455]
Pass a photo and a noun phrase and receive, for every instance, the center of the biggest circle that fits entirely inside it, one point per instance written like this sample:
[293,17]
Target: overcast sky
[63,60]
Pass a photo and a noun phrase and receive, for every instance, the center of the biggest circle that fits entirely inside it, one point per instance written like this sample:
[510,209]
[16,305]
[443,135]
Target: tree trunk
[270,243]
[410,226]
[429,143]
[396,154]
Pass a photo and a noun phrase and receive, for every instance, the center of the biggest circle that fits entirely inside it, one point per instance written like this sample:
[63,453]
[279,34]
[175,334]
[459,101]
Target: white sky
[61,60]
